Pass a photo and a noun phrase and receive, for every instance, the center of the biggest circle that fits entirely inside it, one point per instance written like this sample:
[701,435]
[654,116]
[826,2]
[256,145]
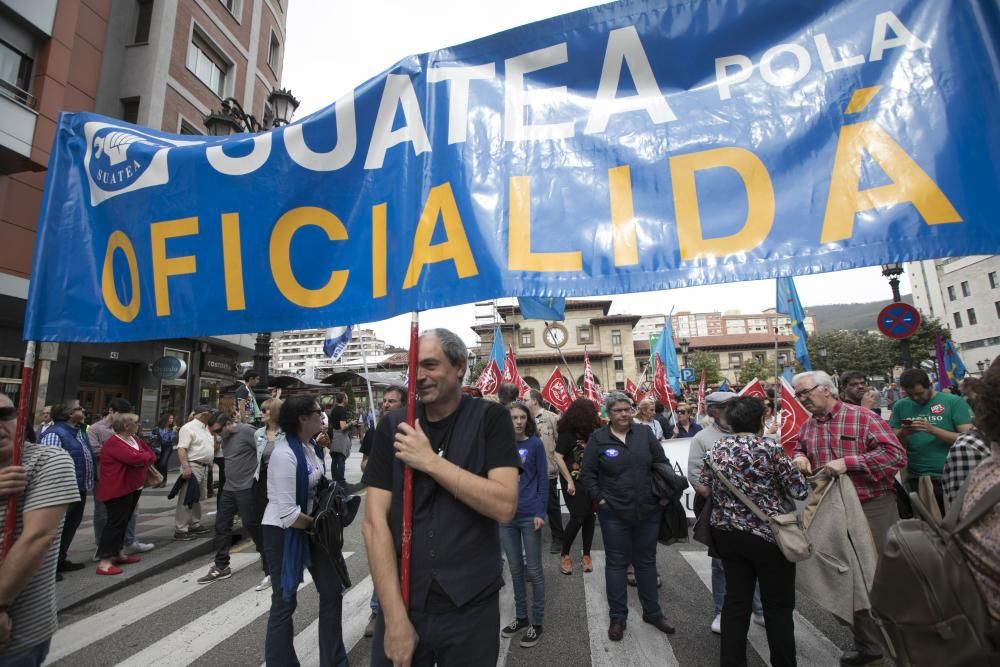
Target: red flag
[642,392]
[701,395]
[754,388]
[631,389]
[510,375]
[792,417]
[555,391]
[661,388]
[589,384]
[489,379]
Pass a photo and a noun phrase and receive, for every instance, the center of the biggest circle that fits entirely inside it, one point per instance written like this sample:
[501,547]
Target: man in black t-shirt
[465,465]
[340,439]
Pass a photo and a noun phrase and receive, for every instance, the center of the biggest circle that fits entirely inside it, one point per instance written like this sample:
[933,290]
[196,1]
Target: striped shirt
[870,449]
[51,481]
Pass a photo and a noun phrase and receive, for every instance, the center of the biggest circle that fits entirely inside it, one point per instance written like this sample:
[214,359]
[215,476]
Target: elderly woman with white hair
[617,474]
[646,414]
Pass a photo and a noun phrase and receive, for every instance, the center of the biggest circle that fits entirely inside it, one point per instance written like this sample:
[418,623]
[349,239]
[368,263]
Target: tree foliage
[700,361]
[751,368]
[871,353]
[477,369]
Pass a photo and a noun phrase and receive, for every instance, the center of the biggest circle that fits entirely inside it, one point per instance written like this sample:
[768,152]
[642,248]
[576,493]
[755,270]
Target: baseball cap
[202,408]
[720,397]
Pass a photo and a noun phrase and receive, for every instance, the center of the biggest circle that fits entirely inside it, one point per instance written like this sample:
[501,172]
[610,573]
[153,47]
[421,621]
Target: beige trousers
[186,517]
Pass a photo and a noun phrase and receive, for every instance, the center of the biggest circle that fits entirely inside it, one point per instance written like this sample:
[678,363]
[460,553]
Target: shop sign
[169,368]
[215,363]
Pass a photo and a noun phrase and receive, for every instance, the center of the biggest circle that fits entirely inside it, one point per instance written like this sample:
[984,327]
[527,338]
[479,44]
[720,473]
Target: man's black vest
[452,544]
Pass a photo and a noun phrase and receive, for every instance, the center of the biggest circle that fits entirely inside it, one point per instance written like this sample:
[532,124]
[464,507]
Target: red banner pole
[23,406]
[411,417]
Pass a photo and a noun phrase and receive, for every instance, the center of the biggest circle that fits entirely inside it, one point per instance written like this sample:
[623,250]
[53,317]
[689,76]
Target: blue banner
[629,147]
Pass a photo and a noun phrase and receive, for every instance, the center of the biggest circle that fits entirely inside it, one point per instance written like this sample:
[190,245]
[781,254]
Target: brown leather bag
[153,478]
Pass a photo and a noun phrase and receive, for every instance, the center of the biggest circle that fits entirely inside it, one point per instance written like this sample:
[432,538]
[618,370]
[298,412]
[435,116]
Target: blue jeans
[520,537]
[719,589]
[101,518]
[279,649]
[29,657]
[626,543]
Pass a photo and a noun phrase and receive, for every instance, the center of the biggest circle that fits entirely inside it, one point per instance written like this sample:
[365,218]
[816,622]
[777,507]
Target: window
[273,51]
[619,364]
[996,304]
[206,63]
[965,288]
[188,128]
[620,386]
[235,7]
[951,293]
[143,20]
[616,337]
[994,283]
[15,73]
[584,335]
[527,339]
[958,320]
[130,110]
[971,314]
[735,359]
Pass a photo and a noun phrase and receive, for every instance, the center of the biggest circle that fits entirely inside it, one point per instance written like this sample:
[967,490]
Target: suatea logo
[120,160]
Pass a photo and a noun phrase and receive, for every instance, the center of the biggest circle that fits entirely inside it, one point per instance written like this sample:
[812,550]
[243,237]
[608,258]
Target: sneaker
[758,618]
[588,564]
[199,530]
[183,536]
[717,624]
[566,565]
[264,585]
[531,636]
[215,573]
[370,628]
[138,547]
[515,627]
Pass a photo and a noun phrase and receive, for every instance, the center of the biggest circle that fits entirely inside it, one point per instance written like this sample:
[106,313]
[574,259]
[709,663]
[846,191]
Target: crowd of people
[487,474]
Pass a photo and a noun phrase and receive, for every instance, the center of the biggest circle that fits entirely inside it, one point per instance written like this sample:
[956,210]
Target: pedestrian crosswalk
[174,621]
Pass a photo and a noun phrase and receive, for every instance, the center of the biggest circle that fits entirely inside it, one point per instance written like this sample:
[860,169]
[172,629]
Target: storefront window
[173,392]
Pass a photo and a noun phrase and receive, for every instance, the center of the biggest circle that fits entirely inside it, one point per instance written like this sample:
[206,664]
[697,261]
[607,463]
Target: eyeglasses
[8,413]
[805,392]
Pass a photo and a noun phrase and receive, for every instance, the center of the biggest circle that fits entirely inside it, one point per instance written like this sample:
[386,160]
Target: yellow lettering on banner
[163,266]
[379,250]
[909,184]
[760,202]
[622,216]
[232,262]
[281,260]
[440,203]
[519,255]
[125,313]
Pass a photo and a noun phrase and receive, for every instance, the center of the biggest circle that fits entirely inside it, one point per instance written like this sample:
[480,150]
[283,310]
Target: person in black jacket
[616,472]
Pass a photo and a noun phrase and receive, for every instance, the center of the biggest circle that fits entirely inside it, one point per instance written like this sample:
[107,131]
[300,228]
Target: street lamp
[893,271]
[233,119]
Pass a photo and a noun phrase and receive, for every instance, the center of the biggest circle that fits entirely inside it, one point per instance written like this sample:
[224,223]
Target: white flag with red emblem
[489,379]
[754,388]
[791,417]
[631,389]
[589,384]
[511,376]
[555,391]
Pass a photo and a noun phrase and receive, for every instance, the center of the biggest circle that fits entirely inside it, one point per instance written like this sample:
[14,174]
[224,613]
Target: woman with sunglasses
[685,426]
[293,481]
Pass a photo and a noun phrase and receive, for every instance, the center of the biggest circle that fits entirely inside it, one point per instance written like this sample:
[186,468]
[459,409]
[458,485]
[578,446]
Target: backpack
[333,512]
[925,595]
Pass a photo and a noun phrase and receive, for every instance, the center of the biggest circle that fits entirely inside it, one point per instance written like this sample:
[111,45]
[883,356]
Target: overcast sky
[334,45]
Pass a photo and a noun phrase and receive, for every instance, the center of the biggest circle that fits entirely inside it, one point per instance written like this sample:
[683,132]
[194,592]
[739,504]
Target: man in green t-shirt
[927,422]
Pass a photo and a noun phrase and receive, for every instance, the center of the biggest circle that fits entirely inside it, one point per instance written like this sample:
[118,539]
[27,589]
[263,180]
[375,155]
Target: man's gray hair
[452,346]
[616,397]
[821,378]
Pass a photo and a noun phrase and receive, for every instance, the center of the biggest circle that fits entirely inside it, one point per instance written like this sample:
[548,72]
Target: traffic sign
[899,320]
[687,375]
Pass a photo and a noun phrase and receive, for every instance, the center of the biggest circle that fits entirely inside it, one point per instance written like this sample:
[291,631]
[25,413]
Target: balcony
[17,130]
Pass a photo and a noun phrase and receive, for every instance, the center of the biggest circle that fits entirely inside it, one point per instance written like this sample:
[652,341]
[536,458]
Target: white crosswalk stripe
[225,623]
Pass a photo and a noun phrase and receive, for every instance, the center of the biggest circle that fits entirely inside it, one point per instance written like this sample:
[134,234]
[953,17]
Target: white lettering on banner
[517,97]
[625,48]
[398,92]
[337,157]
[732,70]
[247,164]
[458,94]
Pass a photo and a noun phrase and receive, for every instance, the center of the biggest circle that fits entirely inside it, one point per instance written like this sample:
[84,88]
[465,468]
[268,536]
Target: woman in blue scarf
[293,477]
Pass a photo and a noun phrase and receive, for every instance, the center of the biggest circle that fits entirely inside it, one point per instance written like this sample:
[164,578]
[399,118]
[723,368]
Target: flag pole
[566,364]
[364,363]
[23,405]
[411,417]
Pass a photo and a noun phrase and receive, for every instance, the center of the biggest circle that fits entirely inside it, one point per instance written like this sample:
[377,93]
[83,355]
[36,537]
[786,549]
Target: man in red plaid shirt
[848,439]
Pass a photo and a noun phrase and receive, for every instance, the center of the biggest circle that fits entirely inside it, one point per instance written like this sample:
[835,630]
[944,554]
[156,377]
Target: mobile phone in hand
[907,422]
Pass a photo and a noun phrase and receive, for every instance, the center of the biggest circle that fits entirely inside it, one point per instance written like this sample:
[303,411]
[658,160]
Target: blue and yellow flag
[950,367]
[788,304]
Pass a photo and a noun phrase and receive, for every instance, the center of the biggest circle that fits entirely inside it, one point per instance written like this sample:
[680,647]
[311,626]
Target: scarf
[296,557]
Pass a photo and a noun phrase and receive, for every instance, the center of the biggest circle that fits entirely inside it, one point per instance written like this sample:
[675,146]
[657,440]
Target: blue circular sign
[899,320]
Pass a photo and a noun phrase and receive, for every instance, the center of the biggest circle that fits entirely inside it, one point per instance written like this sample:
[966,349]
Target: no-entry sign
[899,320]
